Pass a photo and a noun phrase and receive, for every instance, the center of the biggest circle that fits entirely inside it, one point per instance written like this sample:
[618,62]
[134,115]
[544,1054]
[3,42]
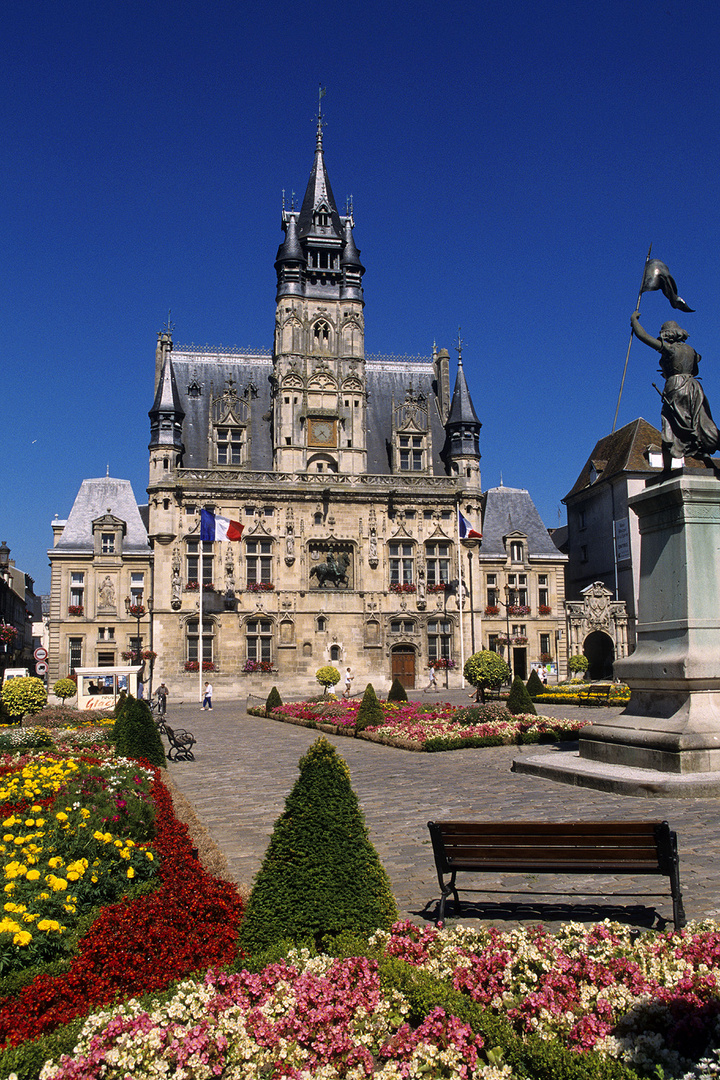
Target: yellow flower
[62,816]
[10,907]
[130,872]
[125,854]
[10,887]
[149,855]
[118,843]
[84,812]
[9,822]
[22,938]
[55,862]
[98,835]
[9,926]
[69,907]
[32,875]
[57,884]
[48,924]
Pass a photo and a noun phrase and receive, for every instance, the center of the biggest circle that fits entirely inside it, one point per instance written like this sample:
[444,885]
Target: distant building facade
[100,557]
[522,584]
[19,608]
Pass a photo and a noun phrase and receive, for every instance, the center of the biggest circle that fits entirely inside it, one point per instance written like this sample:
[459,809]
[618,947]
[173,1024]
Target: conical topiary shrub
[370,713]
[320,875]
[534,684]
[272,701]
[135,734]
[519,701]
[397,691]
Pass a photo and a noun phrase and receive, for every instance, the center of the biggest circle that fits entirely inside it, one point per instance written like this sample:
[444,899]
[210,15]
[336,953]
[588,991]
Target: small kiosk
[99,688]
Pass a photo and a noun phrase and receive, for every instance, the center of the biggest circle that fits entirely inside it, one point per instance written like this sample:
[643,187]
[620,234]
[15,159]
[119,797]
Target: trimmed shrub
[135,734]
[578,663]
[64,688]
[320,875]
[327,676]
[370,713]
[519,701]
[397,691]
[26,694]
[273,700]
[534,684]
[486,670]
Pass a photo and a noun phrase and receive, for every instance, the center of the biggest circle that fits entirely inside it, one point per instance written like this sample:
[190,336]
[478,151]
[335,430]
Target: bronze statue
[687,424]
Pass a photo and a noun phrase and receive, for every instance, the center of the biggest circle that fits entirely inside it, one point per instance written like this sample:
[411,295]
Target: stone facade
[101,556]
[347,472]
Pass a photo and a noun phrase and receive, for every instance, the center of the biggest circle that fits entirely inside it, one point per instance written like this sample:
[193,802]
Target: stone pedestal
[672,723]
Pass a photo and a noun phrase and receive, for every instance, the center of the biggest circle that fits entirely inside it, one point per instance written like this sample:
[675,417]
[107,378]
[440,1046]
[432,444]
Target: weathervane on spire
[169,326]
[459,347]
[322,91]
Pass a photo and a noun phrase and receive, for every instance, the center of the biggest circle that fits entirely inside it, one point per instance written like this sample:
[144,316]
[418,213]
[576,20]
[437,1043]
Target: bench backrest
[644,847]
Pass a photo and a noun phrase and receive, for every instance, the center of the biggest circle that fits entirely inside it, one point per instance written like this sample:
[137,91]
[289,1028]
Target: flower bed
[588,1002]
[188,922]
[412,725]
[569,694]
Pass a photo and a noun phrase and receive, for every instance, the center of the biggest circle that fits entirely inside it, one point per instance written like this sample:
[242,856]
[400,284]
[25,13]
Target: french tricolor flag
[213,527]
[466,530]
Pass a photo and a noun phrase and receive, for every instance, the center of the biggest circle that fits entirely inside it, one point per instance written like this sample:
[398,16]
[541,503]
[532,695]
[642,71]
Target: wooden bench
[595,695]
[576,847]
[181,744]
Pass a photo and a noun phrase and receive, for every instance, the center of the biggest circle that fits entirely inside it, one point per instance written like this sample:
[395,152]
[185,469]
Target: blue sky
[509,166]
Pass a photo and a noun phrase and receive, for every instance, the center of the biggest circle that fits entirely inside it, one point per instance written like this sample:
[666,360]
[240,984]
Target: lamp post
[509,593]
[136,611]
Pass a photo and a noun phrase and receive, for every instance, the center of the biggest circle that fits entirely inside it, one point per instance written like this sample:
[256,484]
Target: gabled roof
[511,511]
[623,451]
[95,499]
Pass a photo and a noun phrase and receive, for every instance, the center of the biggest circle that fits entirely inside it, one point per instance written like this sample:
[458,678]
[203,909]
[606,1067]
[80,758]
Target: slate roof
[511,510]
[387,379]
[93,500]
[622,451]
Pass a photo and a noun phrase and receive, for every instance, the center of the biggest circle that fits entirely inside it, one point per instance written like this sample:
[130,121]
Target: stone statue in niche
[106,593]
[176,583]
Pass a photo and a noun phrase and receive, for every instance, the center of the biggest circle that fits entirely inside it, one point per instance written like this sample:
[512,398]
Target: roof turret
[462,425]
[167,414]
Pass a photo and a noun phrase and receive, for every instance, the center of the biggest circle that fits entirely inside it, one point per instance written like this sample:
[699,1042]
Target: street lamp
[509,593]
[136,611]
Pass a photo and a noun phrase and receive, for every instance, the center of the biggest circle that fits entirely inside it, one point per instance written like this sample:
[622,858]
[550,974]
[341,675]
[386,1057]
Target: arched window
[335,652]
[321,336]
[321,623]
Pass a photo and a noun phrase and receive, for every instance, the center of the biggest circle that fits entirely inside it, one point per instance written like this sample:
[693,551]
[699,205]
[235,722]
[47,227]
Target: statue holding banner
[688,428]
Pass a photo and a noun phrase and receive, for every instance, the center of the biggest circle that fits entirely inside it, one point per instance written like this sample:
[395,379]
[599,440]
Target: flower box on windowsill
[405,588]
[440,587]
[544,609]
[261,586]
[519,609]
[192,586]
[440,665]
[136,610]
[492,610]
[76,609]
[192,665]
[251,666]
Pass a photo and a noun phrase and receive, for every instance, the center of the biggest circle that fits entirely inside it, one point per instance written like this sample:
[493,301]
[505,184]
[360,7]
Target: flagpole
[627,357]
[200,627]
[460,596]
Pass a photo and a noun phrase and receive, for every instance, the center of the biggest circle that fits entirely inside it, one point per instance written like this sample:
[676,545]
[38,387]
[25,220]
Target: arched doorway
[403,665]
[600,651]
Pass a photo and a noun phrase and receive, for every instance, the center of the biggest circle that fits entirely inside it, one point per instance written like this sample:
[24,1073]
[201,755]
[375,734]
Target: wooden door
[403,666]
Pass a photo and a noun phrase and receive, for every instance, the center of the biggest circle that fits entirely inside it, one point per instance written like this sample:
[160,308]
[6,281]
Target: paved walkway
[245,767]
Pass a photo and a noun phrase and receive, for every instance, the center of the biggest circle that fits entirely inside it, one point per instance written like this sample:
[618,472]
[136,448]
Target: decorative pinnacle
[459,347]
[322,91]
[169,326]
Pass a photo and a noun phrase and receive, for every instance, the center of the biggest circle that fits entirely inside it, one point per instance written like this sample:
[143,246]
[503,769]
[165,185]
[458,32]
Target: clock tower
[319,384]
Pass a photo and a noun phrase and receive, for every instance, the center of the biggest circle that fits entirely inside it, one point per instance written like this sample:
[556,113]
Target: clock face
[322,433]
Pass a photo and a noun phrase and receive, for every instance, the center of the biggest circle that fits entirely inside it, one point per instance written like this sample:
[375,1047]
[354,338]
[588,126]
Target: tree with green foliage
[273,700]
[578,664]
[519,701]
[135,733]
[534,685]
[327,676]
[24,695]
[64,688]
[397,691]
[486,671]
[320,875]
[370,713]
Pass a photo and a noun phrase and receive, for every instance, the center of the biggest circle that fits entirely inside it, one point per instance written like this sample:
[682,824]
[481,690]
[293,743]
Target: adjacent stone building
[347,471]
[101,558]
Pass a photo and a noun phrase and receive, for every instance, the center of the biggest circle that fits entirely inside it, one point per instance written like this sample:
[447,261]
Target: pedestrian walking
[348,682]
[432,685]
[162,696]
[207,700]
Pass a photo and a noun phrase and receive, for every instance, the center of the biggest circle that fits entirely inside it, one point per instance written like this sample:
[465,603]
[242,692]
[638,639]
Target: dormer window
[107,543]
[411,453]
[516,551]
[229,443]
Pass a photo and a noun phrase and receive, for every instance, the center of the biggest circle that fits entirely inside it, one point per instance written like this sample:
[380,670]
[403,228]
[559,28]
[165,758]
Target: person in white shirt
[207,700]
